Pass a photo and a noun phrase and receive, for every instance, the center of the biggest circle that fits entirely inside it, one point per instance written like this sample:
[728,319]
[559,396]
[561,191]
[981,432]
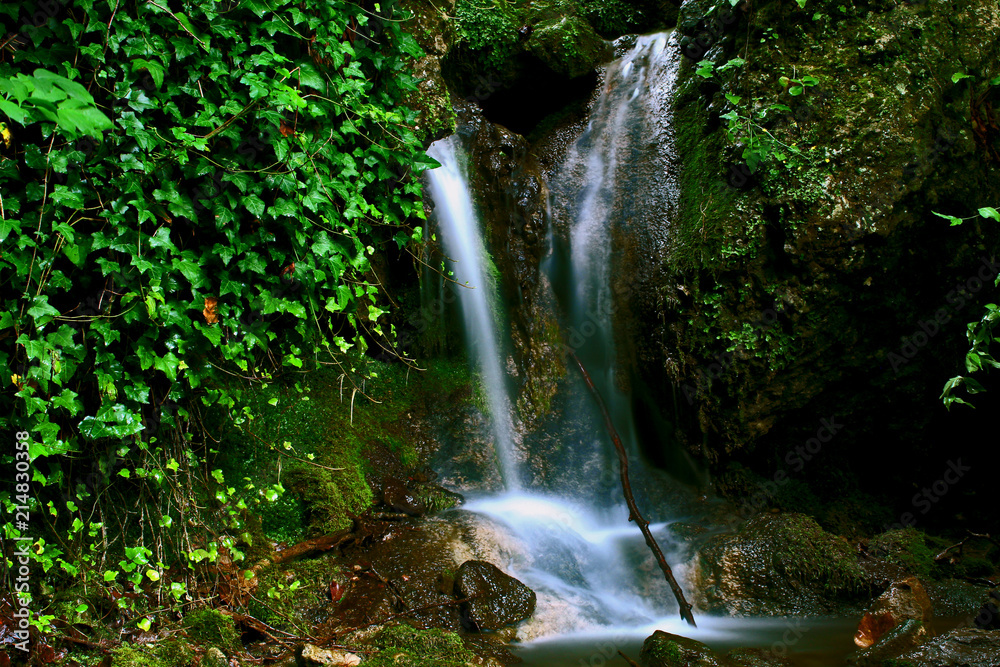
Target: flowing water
[567,535]
[463,244]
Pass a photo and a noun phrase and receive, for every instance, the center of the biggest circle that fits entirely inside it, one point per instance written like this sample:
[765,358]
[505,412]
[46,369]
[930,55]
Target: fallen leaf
[210,312]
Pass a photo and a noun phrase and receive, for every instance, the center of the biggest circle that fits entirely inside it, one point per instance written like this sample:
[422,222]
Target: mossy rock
[662,649]
[292,594]
[404,646]
[211,627]
[780,564]
[168,653]
[908,548]
[568,45]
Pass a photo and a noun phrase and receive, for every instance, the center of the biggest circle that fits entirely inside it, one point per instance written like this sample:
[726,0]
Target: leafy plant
[190,201]
[980,334]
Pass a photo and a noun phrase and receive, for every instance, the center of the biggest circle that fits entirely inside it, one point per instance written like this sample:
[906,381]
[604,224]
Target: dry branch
[633,509]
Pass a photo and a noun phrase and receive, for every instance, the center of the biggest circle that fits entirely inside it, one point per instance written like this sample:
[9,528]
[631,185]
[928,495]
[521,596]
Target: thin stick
[633,510]
[628,659]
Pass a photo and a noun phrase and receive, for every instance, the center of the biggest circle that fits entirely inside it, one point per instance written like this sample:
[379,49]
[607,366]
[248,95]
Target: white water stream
[578,551]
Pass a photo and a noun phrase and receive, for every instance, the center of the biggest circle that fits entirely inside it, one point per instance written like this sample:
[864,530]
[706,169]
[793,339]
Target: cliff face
[822,283]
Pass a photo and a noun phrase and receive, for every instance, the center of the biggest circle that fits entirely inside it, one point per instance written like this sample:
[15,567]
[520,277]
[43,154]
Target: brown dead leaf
[210,311]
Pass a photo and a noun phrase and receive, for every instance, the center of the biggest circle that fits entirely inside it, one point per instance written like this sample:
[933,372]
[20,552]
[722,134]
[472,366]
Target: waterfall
[569,537]
[463,244]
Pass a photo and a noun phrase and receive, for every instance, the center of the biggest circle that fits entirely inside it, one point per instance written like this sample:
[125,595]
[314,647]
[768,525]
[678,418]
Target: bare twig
[628,659]
[633,509]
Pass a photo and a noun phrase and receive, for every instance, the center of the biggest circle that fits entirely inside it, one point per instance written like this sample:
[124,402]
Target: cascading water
[568,537]
[561,525]
[463,244]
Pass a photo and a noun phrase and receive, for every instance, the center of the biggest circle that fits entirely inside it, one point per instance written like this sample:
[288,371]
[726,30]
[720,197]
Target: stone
[495,599]
[662,649]
[214,658]
[966,647]
[314,655]
[568,45]
[779,565]
[903,637]
[398,497]
[905,600]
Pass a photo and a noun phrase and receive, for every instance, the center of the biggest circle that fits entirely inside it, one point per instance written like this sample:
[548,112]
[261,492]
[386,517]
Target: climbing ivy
[191,195]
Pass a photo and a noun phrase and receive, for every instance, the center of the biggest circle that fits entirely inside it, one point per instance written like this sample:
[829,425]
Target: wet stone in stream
[495,599]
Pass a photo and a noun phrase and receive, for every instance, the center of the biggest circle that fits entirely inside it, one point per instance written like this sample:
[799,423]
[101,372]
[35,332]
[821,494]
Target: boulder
[901,638]
[905,600]
[779,565]
[966,647]
[494,599]
[662,649]
[568,45]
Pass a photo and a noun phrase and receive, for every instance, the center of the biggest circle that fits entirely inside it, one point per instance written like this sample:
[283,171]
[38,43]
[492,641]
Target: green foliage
[48,97]
[190,199]
[488,28]
[612,18]
[980,334]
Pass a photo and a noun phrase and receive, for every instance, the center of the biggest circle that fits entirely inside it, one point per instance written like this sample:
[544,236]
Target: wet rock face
[511,200]
[496,599]
[777,565]
[962,647]
[905,600]
[843,251]
[988,617]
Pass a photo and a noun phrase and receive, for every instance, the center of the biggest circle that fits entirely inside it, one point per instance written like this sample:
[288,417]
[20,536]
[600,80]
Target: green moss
[213,628]
[311,437]
[288,593]
[568,45]
[804,551]
[909,548]
[168,653]
[487,34]
[403,646]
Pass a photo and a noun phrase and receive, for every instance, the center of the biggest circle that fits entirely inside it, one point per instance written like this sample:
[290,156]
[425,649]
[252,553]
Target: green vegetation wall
[190,195]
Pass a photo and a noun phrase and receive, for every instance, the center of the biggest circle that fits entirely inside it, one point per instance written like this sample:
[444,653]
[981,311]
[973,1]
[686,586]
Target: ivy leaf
[990,212]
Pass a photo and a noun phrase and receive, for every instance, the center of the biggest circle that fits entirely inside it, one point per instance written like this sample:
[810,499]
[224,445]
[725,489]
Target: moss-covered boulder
[404,646]
[567,44]
[662,649]
[779,564]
